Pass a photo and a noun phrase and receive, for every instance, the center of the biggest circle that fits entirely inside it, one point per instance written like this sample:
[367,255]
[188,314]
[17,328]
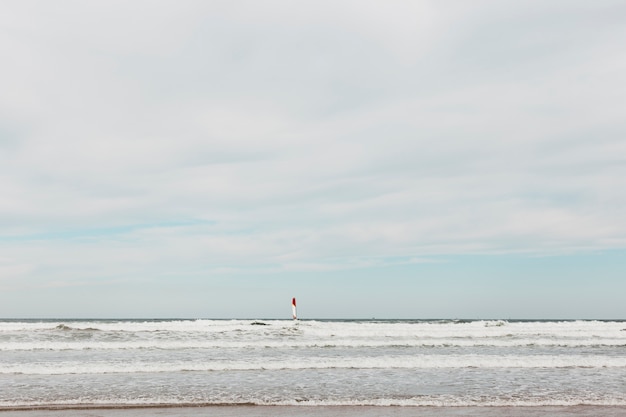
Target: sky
[387,159]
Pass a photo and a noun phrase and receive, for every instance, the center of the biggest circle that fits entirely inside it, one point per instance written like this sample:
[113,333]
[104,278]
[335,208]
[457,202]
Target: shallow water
[340,363]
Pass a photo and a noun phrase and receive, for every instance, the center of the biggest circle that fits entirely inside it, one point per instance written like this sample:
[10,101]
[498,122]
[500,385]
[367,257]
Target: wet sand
[321,411]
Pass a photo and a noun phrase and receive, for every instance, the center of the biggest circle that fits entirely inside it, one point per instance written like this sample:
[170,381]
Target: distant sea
[411,363]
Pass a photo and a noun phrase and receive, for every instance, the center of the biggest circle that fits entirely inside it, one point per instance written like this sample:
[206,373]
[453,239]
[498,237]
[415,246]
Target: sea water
[51,363]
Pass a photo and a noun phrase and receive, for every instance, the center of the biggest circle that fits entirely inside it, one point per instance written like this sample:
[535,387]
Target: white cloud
[312,136]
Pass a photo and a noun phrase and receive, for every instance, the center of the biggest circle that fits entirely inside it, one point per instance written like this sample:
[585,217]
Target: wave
[84,344]
[204,324]
[281,364]
[66,328]
[283,334]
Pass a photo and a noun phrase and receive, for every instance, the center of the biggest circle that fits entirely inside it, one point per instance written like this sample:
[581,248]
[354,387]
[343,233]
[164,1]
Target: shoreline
[251,410]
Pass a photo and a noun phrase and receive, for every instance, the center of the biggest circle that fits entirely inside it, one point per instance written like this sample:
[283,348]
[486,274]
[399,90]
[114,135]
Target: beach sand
[321,411]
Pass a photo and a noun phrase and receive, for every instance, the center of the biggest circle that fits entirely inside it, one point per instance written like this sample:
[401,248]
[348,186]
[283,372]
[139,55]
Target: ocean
[411,363]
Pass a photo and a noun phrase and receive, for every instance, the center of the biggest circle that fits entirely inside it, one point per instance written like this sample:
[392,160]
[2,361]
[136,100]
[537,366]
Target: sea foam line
[422,401]
[171,344]
[401,362]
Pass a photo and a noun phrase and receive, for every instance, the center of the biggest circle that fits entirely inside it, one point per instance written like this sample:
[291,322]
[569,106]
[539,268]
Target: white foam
[240,334]
[306,362]
[422,401]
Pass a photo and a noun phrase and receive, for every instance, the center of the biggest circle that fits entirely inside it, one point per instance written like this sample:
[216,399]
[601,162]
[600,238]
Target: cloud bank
[169,139]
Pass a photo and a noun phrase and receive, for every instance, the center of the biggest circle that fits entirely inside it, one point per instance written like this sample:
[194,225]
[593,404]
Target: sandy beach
[320,411]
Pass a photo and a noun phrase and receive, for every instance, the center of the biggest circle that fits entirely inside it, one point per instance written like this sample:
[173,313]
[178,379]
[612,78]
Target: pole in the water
[293,308]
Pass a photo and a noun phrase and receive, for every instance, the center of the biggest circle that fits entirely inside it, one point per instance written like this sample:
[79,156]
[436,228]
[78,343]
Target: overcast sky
[389,159]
